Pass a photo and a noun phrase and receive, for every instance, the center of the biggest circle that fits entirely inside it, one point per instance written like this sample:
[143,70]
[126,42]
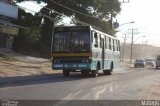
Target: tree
[89,11]
[93,12]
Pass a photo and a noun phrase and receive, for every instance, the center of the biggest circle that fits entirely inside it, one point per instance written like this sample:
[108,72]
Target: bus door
[103,53]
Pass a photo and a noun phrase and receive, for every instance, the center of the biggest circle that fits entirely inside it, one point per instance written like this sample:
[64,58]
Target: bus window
[100,43]
[79,43]
[96,40]
[110,47]
[119,45]
[61,42]
[113,44]
[92,34]
[105,42]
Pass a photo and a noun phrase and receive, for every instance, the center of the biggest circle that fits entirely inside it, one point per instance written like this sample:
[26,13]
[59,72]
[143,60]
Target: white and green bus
[85,49]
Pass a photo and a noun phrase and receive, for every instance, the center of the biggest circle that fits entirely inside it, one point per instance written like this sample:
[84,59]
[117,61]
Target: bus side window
[100,38]
[105,42]
[92,34]
[113,44]
[110,48]
[96,40]
[119,45]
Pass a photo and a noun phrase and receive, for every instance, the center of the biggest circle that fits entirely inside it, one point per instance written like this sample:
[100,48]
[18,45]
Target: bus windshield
[75,41]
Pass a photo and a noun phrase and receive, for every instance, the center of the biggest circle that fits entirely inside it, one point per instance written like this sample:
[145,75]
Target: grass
[7,57]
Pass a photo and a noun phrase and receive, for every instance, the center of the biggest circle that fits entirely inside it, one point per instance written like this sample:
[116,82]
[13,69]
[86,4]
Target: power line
[52,19]
[71,9]
[70,17]
[74,2]
[79,5]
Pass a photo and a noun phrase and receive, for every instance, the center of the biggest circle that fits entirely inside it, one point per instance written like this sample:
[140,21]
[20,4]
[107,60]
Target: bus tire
[109,72]
[95,72]
[105,72]
[66,73]
[85,73]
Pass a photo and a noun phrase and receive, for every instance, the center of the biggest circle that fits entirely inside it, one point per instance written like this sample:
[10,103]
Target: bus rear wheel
[105,72]
[95,73]
[66,73]
[108,72]
[85,73]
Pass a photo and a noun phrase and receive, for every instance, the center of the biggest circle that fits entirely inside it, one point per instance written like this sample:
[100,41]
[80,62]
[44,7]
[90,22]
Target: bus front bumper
[71,66]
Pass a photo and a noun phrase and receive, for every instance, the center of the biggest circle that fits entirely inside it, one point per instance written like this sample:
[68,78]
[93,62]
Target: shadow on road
[36,79]
[40,79]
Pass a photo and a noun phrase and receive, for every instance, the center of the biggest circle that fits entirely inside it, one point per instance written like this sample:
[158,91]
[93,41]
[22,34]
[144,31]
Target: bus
[84,49]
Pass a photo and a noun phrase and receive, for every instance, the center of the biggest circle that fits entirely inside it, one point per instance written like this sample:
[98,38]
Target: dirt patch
[152,93]
[18,68]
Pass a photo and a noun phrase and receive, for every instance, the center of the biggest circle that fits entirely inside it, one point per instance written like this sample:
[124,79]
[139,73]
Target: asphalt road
[119,86]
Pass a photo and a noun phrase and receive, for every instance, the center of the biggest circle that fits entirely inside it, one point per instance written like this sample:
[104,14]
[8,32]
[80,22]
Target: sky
[145,14]
[31,6]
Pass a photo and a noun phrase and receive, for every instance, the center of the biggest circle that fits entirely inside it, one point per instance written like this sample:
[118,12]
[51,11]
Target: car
[158,61]
[150,62]
[139,63]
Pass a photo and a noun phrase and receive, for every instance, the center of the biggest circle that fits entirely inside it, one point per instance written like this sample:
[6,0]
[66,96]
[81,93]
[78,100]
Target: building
[8,30]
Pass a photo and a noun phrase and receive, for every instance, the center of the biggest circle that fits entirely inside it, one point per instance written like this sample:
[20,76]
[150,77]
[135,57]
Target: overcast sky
[145,14]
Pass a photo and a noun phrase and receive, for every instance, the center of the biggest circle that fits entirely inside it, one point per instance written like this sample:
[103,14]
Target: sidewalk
[22,58]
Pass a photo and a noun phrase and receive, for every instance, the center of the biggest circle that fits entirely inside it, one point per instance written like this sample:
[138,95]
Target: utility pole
[124,45]
[131,47]
[134,31]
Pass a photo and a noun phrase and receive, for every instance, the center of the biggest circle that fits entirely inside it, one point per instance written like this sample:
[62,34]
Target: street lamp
[127,23]
[116,24]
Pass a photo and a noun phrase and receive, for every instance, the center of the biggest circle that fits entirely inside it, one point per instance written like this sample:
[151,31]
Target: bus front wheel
[85,73]
[66,73]
[95,72]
